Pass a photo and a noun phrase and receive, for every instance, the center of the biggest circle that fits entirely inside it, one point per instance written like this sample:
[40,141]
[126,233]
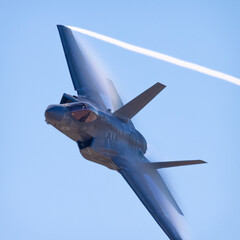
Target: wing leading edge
[88,80]
[150,188]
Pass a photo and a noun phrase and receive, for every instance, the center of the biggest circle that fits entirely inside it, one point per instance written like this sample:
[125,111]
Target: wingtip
[61,26]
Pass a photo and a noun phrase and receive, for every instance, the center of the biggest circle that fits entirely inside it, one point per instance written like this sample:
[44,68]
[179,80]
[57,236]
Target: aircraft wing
[145,181]
[150,188]
[87,78]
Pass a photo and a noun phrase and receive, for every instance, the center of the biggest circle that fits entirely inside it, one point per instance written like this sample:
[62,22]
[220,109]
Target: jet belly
[90,154]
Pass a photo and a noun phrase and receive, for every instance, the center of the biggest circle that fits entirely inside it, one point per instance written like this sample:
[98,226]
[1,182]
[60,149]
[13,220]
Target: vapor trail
[159,56]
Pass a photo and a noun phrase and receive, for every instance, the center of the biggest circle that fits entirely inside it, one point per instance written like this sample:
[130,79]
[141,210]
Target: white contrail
[160,56]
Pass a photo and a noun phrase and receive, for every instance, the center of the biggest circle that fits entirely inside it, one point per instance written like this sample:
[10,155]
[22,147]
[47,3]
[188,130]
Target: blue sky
[48,191]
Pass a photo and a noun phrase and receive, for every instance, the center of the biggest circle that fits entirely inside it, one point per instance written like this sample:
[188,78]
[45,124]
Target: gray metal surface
[109,138]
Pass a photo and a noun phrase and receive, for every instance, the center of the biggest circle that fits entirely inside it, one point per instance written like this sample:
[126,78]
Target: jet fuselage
[101,125]
[83,122]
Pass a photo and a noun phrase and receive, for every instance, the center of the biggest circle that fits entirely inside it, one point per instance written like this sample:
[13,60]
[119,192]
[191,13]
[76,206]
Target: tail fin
[130,109]
[157,165]
[66,98]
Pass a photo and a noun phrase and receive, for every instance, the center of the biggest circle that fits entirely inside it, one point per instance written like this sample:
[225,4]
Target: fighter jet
[101,125]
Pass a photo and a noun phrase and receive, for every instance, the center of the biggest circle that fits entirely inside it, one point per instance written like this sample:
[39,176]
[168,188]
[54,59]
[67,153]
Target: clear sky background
[48,191]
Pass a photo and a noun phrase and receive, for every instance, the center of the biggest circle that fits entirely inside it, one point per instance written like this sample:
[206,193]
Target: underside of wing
[150,188]
[88,80]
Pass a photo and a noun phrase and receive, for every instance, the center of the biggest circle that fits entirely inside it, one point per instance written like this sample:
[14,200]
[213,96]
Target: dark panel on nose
[54,113]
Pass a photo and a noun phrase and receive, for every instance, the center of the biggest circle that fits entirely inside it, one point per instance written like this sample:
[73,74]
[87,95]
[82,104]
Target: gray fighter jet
[101,125]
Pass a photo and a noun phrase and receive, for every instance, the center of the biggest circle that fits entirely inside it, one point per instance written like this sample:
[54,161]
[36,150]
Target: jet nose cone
[54,113]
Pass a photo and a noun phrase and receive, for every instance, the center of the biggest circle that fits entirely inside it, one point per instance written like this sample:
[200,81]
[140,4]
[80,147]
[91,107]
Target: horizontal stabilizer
[130,109]
[157,165]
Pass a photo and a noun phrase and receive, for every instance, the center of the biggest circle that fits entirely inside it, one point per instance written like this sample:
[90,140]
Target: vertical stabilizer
[130,109]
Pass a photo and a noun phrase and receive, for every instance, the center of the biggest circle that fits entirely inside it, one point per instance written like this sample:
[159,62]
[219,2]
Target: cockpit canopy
[83,112]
